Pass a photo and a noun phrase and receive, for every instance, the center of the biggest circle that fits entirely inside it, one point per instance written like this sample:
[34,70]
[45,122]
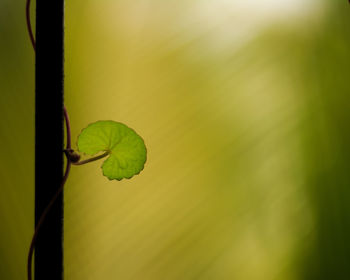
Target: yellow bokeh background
[244,109]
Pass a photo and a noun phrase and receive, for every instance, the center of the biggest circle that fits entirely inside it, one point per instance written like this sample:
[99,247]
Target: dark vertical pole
[49,137]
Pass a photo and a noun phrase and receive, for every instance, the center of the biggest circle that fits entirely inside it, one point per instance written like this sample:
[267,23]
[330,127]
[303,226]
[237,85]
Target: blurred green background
[245,109]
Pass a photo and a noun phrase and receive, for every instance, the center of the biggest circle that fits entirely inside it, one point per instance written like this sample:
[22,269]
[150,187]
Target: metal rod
[49,137]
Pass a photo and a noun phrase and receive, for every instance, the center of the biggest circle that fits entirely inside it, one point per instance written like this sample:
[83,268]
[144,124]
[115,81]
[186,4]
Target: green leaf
[127,150]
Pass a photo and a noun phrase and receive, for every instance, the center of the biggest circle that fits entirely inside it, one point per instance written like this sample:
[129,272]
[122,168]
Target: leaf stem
[91,159]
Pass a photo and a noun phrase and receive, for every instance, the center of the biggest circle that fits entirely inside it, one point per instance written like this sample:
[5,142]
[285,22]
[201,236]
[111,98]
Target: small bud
[72,155]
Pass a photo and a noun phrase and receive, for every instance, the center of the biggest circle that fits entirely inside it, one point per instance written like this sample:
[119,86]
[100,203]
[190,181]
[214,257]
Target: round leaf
[127,151]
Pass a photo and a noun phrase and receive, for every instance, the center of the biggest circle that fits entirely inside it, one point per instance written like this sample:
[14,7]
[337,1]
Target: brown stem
[29,26]
[66,117]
